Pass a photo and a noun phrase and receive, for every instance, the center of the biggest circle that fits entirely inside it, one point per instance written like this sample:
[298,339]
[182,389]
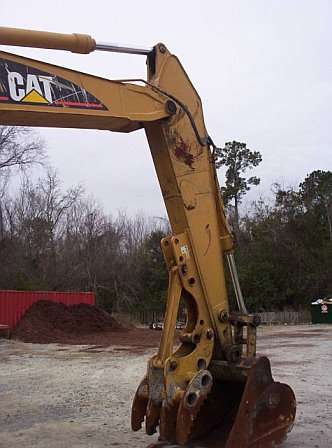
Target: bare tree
[40,211]
[20,149]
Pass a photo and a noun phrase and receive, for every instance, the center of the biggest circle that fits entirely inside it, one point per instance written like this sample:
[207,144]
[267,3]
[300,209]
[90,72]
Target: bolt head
[173,365]
[170,107]
[184,269]
[210,333]
[223,316]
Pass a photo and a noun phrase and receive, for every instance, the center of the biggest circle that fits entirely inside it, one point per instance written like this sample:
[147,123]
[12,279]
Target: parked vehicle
[159,325]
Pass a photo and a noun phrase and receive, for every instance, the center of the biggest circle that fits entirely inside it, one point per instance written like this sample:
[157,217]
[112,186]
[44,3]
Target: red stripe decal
[73,103]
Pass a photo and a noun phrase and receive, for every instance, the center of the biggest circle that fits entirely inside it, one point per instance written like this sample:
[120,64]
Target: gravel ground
[58,396]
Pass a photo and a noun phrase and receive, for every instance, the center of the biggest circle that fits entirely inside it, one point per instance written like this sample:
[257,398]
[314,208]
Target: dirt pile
[45,322]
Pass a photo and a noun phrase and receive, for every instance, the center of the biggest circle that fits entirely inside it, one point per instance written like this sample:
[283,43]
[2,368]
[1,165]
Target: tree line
[51,239]
[56,239]
[284,244]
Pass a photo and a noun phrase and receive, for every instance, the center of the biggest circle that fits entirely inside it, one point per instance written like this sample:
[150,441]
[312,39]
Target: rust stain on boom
[182,152]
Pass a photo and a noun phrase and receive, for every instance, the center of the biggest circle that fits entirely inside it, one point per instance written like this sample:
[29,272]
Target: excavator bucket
[256,413]
[252,411]
[231,401]
[266,412]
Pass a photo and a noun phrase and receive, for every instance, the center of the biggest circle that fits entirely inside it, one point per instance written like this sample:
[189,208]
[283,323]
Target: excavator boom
[34,93]
[206,384]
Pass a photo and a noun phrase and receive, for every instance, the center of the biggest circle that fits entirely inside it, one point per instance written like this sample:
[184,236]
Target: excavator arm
[201,385]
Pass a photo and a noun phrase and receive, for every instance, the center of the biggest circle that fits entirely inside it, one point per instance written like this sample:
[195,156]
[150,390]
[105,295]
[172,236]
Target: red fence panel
[13,304]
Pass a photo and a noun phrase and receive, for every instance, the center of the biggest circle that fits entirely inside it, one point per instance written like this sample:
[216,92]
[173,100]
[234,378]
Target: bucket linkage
[231,404]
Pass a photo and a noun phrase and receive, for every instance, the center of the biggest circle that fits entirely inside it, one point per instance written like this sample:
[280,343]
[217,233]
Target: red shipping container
[13,304]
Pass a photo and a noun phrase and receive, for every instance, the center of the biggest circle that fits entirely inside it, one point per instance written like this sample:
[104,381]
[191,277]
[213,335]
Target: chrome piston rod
[236,283]
[121,48]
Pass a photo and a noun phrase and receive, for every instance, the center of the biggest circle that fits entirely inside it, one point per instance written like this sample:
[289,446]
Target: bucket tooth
[152,417]
[139,406]
[167,427]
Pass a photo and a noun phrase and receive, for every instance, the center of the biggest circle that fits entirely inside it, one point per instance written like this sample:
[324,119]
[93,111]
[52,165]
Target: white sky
[263,69]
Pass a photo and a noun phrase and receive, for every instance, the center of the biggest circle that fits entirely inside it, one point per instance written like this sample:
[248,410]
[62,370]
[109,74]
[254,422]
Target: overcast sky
[263,69]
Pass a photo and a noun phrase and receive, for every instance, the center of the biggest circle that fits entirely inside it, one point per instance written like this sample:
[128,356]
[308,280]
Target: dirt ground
[59,396]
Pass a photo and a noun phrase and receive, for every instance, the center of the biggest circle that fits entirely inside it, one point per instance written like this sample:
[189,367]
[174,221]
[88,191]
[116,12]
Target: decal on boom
[23,84]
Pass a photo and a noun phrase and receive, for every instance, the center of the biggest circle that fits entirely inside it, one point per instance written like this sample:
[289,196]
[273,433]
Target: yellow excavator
[206,386]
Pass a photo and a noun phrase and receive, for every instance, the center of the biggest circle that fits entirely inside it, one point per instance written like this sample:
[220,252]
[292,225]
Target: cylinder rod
[118,48]
[236,283]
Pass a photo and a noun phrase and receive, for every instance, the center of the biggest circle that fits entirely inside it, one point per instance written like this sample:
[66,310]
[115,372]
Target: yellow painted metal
[127,106]
[185,168]
[170,110]
[76,43]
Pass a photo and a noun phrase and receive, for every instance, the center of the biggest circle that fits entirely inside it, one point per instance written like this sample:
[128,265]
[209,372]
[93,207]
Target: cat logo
[35,89]
[21,84]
